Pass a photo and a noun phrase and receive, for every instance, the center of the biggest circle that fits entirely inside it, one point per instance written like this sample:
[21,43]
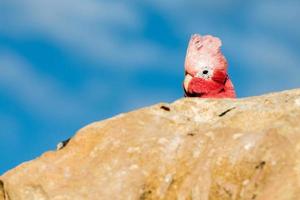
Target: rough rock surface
[190,149]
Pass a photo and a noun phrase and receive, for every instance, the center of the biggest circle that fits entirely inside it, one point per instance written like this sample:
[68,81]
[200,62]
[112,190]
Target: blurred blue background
[67,63]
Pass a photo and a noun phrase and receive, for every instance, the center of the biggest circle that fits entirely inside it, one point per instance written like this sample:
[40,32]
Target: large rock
[190,149]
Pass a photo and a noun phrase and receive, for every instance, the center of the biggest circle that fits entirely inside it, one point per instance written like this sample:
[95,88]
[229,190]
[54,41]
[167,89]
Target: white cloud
[260,52]
[191,16]
[281,17]
[37,94]
[89,28]
[51,16]
[46,98]
[262,38]
[94,29]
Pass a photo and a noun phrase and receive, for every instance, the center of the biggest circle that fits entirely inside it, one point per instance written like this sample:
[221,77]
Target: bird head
[205,65]
[204,56]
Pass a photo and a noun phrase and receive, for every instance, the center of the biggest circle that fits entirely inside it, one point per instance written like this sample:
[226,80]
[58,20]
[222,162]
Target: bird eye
[205,73]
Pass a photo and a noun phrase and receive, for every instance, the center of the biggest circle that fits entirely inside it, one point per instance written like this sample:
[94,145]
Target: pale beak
[187,80]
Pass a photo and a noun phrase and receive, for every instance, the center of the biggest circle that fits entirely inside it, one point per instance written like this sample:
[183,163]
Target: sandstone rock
[190,149]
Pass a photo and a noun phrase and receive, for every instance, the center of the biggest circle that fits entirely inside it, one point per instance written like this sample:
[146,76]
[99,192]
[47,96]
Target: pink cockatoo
[206,69]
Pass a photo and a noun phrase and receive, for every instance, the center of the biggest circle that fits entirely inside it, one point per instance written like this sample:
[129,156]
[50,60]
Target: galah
[206,69]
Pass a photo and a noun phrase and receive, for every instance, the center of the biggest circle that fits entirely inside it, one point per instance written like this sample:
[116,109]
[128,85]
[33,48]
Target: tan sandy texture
[194,149]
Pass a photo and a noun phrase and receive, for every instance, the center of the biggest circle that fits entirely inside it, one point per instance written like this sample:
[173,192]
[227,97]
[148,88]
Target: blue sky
[67,63]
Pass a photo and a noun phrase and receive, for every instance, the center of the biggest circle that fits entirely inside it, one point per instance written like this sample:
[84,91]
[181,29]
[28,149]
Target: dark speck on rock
[62,144]
[260,165]
[166,108]
[191,134]
[226,111]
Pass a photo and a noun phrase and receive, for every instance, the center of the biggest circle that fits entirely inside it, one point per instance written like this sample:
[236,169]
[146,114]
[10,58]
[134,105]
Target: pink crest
[204,52]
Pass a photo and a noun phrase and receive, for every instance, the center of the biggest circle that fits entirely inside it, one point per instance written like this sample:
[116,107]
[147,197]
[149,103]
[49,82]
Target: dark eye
[205,71]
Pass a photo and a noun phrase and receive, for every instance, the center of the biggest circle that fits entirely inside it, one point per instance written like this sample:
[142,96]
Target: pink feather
[207,67]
